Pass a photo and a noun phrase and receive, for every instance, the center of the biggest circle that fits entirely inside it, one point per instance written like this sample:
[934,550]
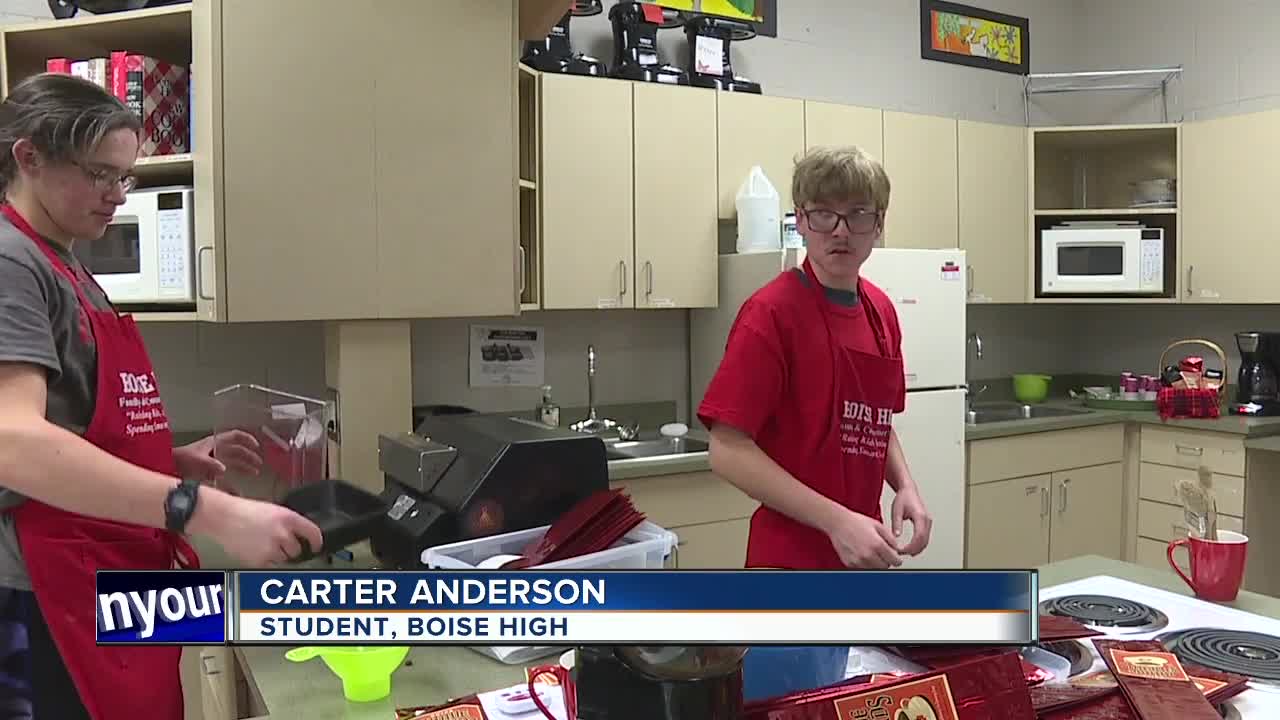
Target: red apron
[849,467]
[63,550]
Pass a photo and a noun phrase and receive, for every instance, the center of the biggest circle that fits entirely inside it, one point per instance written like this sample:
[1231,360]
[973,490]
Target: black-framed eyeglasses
[107,180]
[859,221]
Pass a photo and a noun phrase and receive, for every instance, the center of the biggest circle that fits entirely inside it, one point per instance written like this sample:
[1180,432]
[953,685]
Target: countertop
[1259,433]
[434,675]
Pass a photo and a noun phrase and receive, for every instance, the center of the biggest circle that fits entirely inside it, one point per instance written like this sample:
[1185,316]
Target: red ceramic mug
[1217,566]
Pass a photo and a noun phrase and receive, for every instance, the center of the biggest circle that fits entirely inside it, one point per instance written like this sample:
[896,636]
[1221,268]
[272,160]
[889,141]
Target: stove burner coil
[1101,612]
[1253,655]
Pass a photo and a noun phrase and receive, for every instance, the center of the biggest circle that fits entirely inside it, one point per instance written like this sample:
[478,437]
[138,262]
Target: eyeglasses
[859,221]
[107,180]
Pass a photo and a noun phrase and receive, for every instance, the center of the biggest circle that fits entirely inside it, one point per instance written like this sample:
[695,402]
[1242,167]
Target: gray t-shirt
[41,323]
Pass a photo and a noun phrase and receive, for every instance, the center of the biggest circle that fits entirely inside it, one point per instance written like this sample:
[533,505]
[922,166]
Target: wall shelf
[1150,79]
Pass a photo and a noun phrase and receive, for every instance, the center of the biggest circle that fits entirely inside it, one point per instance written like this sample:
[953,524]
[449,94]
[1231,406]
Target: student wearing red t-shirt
[800,410]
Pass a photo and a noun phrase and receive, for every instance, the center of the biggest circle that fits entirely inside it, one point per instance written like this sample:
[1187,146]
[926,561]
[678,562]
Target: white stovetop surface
[1183,612]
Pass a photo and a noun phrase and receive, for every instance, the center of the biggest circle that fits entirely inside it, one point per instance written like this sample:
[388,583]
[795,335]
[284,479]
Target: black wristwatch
[180,504]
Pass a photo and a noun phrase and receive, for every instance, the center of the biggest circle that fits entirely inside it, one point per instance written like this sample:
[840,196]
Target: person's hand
[908,506]
[257,534]
[239,450]
[864,543]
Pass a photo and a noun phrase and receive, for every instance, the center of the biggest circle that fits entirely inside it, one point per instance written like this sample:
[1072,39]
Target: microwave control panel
[1151,271]
[174,228]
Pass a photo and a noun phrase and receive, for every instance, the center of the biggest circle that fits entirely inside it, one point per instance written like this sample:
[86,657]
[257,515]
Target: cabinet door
[1088,513]
[1006,509]
[757,130]
[921,158]
[1227,186]
[299,161]
[588,240]
[677,236]
[830,124]
[993,210]
[713,546]
[446,158]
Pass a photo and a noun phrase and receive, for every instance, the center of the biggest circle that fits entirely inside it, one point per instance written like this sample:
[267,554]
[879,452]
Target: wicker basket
[1180,403]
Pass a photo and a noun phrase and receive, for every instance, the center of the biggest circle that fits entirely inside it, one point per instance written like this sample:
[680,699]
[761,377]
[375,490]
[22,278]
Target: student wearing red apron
[801,408]
[89,474]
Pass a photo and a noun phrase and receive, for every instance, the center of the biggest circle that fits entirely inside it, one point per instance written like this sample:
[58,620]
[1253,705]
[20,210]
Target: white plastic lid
[674,430]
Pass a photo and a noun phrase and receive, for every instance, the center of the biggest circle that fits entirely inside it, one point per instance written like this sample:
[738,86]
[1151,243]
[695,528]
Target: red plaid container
[1199,399]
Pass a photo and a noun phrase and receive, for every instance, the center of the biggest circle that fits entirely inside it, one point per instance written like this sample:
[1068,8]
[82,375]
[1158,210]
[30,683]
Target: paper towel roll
[497,561]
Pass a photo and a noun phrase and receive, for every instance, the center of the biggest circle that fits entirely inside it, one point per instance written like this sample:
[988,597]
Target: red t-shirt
[775,382]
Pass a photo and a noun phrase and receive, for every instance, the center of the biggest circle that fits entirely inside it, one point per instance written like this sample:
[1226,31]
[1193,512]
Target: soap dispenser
[548,411]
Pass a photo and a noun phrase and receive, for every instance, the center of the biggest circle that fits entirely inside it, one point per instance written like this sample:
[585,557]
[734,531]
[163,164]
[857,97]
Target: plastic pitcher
[759,214]
[365,671]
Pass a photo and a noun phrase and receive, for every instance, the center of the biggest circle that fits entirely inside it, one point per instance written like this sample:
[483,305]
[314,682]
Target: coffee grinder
[554,53]
[1257,389]
[617,682]
[635,43]
[709,63]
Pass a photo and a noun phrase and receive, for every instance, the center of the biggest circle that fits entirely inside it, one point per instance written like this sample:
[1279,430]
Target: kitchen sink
[1005,412]
[660,447]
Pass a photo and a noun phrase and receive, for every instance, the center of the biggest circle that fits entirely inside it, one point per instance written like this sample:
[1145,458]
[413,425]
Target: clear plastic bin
[647,546]
[291,434]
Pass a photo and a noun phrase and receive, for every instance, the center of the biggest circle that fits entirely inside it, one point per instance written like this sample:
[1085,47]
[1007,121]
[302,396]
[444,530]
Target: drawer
[1160,483]
[1159,521]
[1044,452]
[1219,452]
[713,546]
[1151,554]
[687,499]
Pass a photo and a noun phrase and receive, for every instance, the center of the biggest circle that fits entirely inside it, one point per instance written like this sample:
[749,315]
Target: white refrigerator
[928,290]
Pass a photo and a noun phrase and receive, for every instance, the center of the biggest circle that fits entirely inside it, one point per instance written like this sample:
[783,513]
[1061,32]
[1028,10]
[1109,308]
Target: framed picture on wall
[762,14]
[965,35]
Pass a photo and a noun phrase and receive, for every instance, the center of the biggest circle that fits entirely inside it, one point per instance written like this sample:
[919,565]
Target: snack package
[986,688]
[1192,370]
[548,694]
[1153,681]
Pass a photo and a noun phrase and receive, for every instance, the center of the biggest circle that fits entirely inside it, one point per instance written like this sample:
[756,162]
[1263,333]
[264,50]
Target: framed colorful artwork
[762,14]
[971,36]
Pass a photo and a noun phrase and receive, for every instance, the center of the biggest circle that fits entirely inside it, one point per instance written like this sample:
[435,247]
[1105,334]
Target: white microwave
[1085,260]
[147,255]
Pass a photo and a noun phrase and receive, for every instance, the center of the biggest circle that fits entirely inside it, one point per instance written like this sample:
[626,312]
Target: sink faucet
[971,394]
[593,423]
[976,339]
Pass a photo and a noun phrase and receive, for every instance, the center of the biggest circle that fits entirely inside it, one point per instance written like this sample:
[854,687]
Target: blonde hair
[835,175]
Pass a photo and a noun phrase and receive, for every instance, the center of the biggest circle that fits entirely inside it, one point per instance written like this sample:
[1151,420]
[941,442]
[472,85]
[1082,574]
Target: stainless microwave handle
[200,273]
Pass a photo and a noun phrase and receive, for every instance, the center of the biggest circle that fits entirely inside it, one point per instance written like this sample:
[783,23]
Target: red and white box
[157,91]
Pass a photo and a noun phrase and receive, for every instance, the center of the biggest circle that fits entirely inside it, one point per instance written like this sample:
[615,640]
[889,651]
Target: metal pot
[1156,190]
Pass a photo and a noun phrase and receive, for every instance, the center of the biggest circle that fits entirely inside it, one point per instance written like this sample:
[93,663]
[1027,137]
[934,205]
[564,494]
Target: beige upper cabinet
[445,158]
[676,233]
[337,195]
[1227,188]
[921,158]
[587,189]
[994,227]
[828,124]
[757,130]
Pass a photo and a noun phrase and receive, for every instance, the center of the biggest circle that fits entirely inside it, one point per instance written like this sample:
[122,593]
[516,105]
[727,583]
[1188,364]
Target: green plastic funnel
[365,671]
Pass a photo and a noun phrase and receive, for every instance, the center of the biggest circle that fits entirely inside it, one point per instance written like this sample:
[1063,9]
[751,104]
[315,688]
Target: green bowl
[1031,388]
[365,671]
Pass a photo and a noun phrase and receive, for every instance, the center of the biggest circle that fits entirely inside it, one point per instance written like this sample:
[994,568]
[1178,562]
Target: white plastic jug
[759,214]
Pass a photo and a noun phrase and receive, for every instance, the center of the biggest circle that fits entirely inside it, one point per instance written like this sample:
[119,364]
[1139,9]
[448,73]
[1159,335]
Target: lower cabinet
[709,515]
[1045,497]
[216,686]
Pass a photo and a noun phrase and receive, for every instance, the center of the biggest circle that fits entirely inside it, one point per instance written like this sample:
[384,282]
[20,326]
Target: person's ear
[26,155]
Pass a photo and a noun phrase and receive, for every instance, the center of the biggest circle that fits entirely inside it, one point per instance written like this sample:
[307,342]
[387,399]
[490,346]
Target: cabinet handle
[1062,487]
[523,270]
[971,277]
[200,273]
[1044,500]
[648,271]
[1188,450]
[622,277]
[1179,530]
[1190,271]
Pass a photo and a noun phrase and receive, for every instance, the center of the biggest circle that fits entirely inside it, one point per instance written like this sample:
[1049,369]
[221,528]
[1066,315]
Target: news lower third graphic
[162,607]
[634,607]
